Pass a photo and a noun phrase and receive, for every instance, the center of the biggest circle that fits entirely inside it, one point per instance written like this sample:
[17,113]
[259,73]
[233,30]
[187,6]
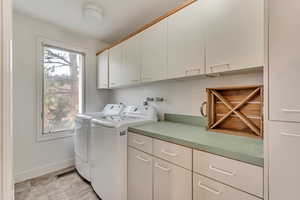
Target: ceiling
[120,16]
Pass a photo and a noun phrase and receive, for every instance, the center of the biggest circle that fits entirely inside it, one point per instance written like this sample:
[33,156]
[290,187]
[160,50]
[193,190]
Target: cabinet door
[132,61]
[284,60]
[234,34]
[102,81]
[208,189]
[171,182]
[186,42]
[139,175]
[284,160]
[115,65]
[154,52]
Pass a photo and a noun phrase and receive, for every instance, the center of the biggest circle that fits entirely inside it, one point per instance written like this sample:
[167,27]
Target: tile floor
[69,186]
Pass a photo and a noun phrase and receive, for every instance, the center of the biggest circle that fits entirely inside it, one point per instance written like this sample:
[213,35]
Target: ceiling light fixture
[92,12]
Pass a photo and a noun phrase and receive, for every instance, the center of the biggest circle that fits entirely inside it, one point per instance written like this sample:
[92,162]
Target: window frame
[41,43]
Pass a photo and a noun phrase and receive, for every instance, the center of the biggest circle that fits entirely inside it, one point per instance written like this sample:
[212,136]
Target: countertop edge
[196,146]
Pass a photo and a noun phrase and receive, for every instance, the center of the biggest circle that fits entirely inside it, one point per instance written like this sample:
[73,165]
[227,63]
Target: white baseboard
[43,170]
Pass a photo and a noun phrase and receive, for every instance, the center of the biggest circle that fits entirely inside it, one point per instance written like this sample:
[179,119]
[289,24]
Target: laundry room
[149,100]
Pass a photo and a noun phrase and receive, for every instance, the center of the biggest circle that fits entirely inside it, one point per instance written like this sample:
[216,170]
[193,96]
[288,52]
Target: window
[61,91]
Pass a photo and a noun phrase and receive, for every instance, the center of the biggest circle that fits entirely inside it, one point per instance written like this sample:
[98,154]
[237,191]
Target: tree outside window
[62,89]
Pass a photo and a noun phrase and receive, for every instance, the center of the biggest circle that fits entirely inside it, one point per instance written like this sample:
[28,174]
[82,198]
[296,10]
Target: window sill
[44,138]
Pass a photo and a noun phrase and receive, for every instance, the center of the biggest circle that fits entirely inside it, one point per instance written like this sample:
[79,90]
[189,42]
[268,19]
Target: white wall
[32,158]
[182,96]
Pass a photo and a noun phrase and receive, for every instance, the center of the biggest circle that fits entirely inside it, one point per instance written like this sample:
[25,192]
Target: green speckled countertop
[197,137]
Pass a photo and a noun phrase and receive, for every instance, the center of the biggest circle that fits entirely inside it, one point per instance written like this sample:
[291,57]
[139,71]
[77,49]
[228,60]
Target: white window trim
[41,41]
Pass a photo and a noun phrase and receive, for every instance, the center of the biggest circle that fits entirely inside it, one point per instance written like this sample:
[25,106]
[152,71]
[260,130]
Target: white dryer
[109,150]
[82,138]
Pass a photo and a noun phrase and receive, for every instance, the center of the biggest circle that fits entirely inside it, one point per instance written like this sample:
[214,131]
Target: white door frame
[6,154]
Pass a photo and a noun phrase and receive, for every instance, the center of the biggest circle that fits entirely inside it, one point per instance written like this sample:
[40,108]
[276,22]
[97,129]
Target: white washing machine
[109,150]
[82,138]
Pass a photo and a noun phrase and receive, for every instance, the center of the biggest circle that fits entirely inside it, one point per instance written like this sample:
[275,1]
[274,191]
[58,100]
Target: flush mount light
[92,12]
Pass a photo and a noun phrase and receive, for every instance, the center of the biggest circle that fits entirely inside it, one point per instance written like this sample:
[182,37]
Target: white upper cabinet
[131,70]
[116,61]
[154,52]
[208,36]
[284,60]
[234,34]
[102,82]
[186,46]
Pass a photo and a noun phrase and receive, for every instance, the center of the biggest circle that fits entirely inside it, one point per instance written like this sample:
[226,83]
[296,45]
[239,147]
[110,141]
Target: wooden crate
[236,110]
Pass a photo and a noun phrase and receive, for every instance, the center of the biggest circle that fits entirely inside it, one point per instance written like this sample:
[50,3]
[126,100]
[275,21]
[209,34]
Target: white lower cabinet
[179,155]
[208,189]
[151,178]
[139,175]
[140,142]
[230,172]
[284,160]
[171,182]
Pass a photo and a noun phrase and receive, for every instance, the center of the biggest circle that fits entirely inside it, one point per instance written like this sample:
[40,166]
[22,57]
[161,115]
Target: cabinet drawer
[207,189]
[174,153]
[240,175]
[140,142]
[284,160]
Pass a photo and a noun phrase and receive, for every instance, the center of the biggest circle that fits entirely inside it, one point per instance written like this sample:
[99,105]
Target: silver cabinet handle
[142,159]
[138,142]
[146,78]
[290,134]
[228,173]
[290,110]
[204,104]
[162,168]
[168,153]
[192,70]
[216,192]
[195,70]
[219,65]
